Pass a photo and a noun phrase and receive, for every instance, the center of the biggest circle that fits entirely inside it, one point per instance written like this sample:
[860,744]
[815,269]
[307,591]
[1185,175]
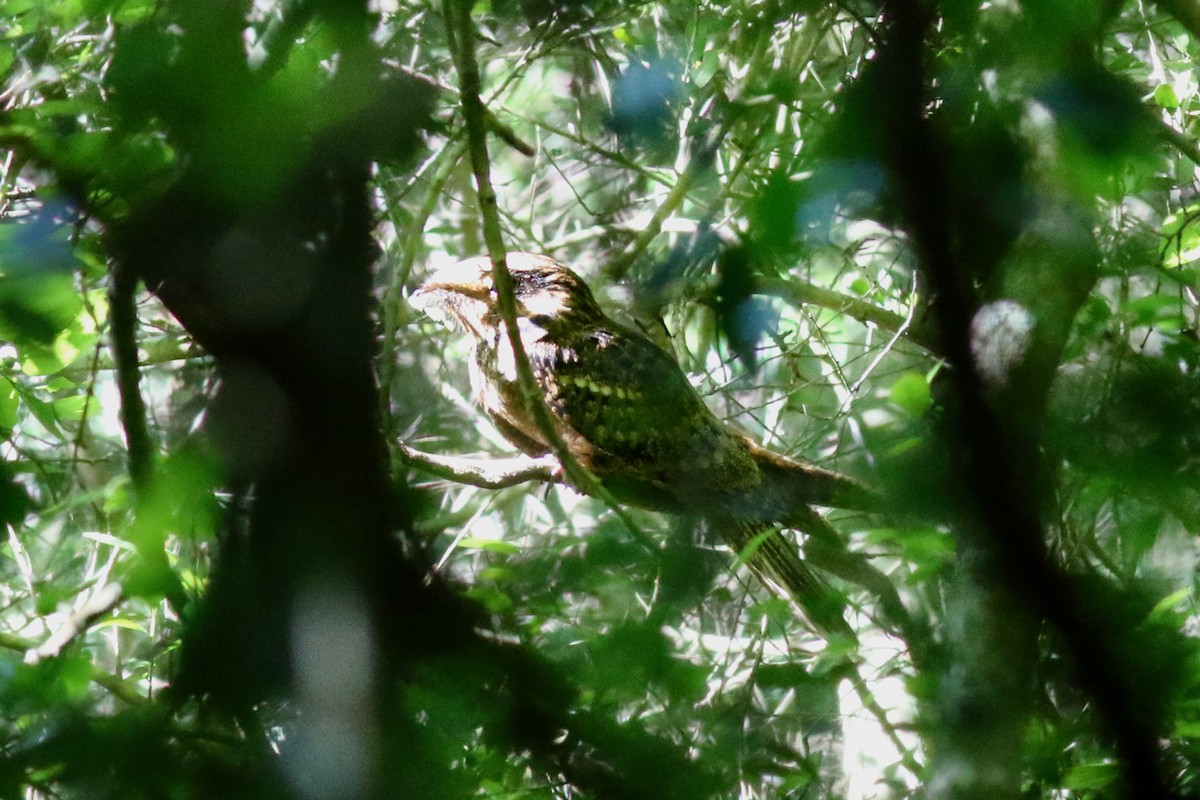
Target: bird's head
[548,295]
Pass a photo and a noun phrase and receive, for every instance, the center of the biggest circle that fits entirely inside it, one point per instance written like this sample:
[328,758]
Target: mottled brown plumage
[627,412]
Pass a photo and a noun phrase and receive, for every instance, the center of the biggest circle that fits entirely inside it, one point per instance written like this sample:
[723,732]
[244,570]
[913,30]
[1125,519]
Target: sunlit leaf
[123,623]
[911,392]
[1165,96]
[490,545]
[1091,776]
[8,405]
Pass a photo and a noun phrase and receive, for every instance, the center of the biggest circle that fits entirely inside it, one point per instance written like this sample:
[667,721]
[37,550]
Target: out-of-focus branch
[122,297]
[115,686]
[1180,141]
[1007,573]
[102,601]
[1185,12]
[799,294]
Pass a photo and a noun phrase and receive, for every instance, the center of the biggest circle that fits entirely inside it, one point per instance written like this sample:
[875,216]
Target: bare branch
[489,473]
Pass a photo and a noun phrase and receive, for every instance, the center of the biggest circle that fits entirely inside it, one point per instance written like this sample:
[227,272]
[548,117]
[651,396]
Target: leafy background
[846,220]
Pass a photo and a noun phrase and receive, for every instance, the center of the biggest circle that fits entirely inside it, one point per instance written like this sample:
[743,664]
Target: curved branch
[1182,142]
[122,298]
[1185,13]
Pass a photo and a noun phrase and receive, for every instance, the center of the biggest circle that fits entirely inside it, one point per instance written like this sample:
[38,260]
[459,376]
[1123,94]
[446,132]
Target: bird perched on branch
[626,411]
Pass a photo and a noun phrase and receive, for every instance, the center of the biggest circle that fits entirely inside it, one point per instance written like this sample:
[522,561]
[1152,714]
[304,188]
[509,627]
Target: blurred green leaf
[494,600]
[490,545]
[911,392]
[9,402]
[1091,776]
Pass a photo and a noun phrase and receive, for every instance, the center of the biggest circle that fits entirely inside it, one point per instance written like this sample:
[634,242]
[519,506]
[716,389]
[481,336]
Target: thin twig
[391,301]
[115,686]
[799,294]
[617,268]
[887,348]
[462,34]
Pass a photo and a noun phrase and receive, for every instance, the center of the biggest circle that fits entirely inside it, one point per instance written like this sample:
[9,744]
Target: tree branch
[1185,12]
[462,34]
[1006,568]
[491,473]
[122,298]
[115,686]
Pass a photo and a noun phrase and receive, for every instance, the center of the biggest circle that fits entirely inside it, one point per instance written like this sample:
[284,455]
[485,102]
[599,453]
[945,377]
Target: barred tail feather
[777,563]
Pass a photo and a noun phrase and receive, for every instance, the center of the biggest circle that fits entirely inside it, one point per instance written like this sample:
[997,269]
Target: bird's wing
[630,401]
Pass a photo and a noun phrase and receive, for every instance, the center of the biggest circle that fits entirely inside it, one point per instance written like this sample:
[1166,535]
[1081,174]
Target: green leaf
[150,577]
[38,298]
[1149,310]
[703,72]
[9,403]
[121,622]
[491,598]
[1175,221]
[7,55]
[1165,609]
[490,545]
[39,361]
[43,412]
[18,6]
[70,409]
[911,392]
[782,676]
[1091,776]
[75,676]
[496,574]
[117,495]
[1166,97]
[50,595]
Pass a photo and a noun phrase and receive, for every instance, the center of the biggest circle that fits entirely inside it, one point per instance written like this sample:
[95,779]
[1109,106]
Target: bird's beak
[456,293]
[469,278]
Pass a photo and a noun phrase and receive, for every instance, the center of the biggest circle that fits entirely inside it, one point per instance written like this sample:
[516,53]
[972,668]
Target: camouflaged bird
[627,412]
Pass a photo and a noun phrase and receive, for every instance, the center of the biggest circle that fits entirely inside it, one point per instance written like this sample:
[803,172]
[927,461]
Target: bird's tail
[776,561]
[795,483]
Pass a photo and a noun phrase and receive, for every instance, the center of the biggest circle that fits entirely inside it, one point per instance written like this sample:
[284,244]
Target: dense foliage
[947,248]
